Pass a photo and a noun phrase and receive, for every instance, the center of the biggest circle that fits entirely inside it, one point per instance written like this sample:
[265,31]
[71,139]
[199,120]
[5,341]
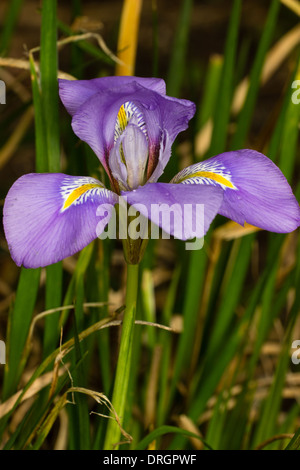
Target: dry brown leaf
[276,56]
[184,422]
[85,23]
[24,65]
[231,231]
[36,386]
[293,5]
[7,151]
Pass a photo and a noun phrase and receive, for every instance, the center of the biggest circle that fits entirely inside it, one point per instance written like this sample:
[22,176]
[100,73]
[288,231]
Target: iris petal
[95,120]
[135,150]
[255,190]
[50,216]
[74,93]
[177,209]
[129,113]
[128,158]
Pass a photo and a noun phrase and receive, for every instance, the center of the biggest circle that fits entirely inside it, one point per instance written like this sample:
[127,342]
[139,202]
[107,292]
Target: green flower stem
[113,433]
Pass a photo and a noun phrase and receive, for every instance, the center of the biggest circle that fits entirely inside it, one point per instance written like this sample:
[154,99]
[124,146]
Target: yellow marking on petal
[122,118]
[213,176]
[78,192]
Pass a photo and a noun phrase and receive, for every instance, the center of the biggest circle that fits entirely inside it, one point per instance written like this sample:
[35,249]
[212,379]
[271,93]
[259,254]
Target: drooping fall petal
[50,216]
[255,189]
[183,211]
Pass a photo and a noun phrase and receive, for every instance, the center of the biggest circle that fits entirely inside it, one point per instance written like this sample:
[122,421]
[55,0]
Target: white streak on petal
[129,113]
[207,172]
[135,148]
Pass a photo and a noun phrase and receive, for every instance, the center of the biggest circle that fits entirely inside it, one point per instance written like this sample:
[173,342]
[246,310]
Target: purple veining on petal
[45,221]
[158,201]
[131,125]
[74,93]
[256,191]
[95,119]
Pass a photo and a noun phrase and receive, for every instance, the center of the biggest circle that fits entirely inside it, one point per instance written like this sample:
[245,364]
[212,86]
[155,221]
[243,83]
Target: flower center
[129,113]
[129,157]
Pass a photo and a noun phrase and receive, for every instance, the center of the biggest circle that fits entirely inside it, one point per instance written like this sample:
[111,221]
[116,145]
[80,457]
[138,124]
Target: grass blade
[20,319]
[244,119]
[221,118]
[13,10]
[177,63]
[49,128]
[162,430]
[49,83]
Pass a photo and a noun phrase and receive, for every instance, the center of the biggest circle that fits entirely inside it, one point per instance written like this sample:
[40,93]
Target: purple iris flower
[131,125]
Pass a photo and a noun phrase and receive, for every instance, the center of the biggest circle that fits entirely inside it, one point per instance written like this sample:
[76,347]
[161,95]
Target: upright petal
[255,190]
[74,93]
[95,120]
[182,211]
[50,216]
